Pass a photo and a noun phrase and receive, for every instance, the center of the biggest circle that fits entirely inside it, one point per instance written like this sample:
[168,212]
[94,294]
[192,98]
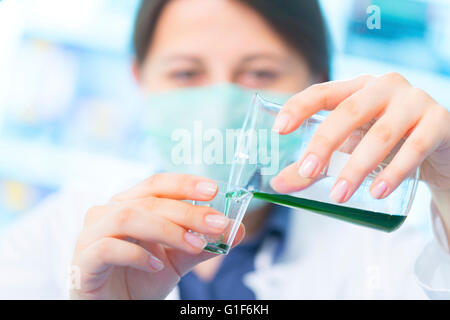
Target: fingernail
[194,240]
[206,188]
[281,122]
[308,166]
[339,191]
[155,263]
[379,189]
[216,221]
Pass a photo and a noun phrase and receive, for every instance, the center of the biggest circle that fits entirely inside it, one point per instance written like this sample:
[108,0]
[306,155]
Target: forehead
[219,28]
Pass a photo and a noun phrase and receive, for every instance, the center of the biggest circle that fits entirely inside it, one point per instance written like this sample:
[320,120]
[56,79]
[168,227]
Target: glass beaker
[262,154]
[232,202]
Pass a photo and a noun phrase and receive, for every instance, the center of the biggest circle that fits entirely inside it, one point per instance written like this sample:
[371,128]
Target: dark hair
[298,22]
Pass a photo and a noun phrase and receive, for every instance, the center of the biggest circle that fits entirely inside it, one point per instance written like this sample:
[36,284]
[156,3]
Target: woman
[136,246]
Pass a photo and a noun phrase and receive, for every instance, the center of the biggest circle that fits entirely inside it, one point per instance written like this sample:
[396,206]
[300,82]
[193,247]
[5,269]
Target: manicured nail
[339,191]
[281,122]
[194,240]
[206,188]
[155,263]
[216,221]
[379,189]
[308,166]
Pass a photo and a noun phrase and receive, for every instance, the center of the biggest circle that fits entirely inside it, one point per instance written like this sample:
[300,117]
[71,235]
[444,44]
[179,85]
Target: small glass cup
[233,203]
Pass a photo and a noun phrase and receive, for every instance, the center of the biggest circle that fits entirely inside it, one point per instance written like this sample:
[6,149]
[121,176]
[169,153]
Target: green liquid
[376,220]
[217,248]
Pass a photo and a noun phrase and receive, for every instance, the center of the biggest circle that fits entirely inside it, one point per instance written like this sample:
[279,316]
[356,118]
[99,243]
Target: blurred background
[68,99]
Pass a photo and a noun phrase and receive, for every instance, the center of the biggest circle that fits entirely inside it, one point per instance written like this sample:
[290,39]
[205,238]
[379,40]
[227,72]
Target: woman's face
[198,43]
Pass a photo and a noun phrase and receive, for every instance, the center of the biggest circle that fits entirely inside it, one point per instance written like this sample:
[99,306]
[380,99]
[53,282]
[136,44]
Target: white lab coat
[324,258]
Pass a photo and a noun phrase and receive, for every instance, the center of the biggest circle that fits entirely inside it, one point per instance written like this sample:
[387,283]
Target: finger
[132,222]
[199,218]
[184,262]
[172,185]
[107,252]
[351,114]
[422,141]
[382,137]
[94,214]
[288,180]
[316,97]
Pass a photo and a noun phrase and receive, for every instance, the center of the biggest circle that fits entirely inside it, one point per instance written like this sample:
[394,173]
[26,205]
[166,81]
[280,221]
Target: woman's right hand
[138,246]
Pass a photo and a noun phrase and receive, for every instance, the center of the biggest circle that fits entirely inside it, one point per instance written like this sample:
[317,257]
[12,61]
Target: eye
[258,78]
[184,75]
[263,74]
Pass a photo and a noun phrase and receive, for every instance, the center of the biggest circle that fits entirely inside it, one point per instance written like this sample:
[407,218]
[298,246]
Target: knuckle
[442,115]
[292,102]
[181,181]
[166,228]
[365,77]
[191,214]
[322,141]
[417,93]
[382,132]
[415,96]
[123,217]
[357,169]
[316,88]
[351,108]
[151,203]
[321,91]
[395,77]
[395,172]
[155,179]
[419,145]
[103,246]
[135,254]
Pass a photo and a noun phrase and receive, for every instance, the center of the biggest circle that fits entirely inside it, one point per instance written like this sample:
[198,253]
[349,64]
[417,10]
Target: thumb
[183,262]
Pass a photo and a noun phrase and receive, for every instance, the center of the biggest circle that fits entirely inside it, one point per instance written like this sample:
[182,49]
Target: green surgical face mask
[195,130]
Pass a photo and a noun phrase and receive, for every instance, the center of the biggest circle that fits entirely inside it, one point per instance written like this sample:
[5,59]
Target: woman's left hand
[397,109]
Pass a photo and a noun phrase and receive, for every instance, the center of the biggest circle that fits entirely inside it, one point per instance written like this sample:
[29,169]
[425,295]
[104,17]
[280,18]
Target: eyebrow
[285,61]
[185,57]
[266,56]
